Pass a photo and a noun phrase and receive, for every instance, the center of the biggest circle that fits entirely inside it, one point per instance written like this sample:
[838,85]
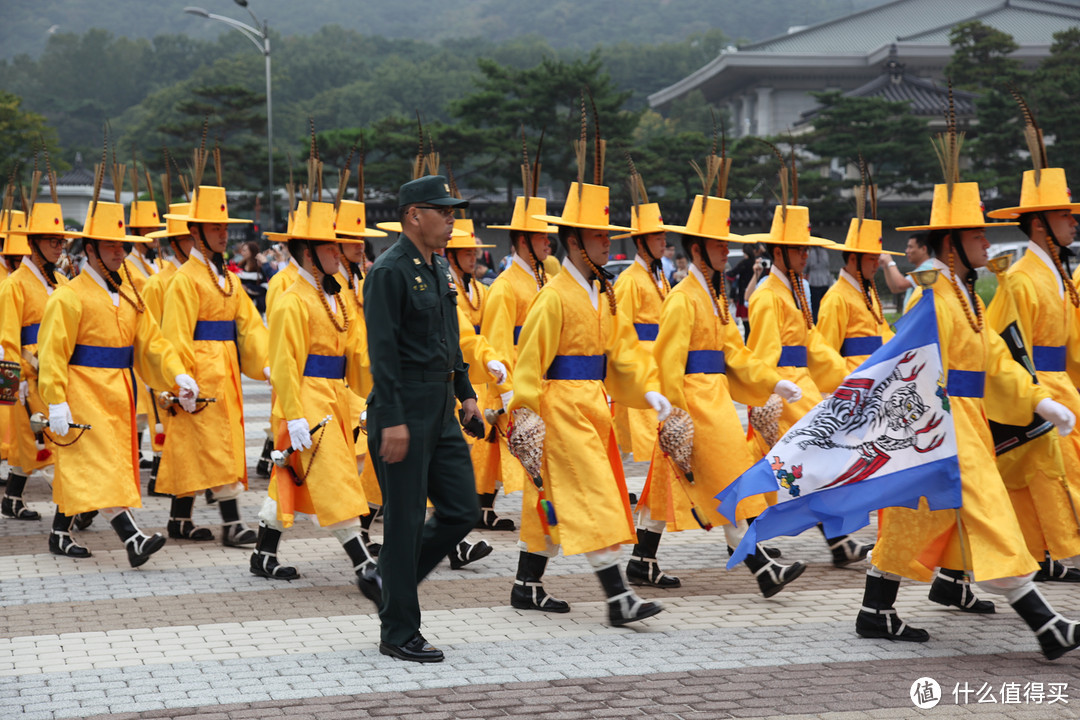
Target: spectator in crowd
[667,261]
[920,256]
[681,267]
[250,272]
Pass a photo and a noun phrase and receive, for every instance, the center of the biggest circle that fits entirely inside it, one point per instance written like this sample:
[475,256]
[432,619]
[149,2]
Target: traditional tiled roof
[79,175]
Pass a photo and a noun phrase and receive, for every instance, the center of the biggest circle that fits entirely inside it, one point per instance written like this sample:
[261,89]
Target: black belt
[427,376]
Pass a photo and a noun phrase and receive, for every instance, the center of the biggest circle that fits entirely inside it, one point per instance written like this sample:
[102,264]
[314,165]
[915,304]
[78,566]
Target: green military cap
[430,189]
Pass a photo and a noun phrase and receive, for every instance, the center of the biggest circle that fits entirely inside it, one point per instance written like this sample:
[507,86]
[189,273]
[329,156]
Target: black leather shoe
[415,650]
[370,583]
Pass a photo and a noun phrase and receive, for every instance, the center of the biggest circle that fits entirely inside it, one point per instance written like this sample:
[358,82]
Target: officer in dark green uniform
[413,437]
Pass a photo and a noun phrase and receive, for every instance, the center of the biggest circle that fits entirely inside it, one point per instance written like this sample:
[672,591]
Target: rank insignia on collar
[416,261]
[417,278]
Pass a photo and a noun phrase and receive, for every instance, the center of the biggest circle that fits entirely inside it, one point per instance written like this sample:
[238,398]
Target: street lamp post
[261,38]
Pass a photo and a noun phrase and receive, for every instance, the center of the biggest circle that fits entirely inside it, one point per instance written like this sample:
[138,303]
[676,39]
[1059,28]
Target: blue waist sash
[102,356]
[578,367]
[331,367]
[792,356]
[517,333]
[28,334]
[476,328]
[966,383]
[646,331]
[709,362]
[219,330]
[855,346]
[1048,358]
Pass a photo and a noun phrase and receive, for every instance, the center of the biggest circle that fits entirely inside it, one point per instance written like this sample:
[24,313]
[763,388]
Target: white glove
[497,369]
[659,403]
[266,374]
[300,434]
[24,390]
[60,419]
[189,390]
[788,390]
[506,397]
[1061,416]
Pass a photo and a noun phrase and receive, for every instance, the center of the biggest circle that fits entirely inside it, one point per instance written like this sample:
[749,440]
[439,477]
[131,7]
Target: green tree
[20,134]
[1056,99]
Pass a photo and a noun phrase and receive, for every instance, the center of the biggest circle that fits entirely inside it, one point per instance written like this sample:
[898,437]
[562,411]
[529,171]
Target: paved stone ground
[193,634]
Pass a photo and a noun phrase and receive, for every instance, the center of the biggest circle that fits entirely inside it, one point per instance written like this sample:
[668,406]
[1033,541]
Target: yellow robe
[331,490]
[914,542]
[582,470]
[776,323]
[154,296]
[638,294]
[5,415]
[207,448]
[358,400]
[843,315]
[689,323]
[1043,476]
[22,304]
[141,271]
[507,302]
[279,282]
[101,469]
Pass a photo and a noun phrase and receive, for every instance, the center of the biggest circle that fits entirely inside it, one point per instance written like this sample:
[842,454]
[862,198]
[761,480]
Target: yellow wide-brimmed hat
[586,207]
[208,205]
[144,214]
[1048,192]
[174,227]
[645,219]
[865,237]
[47,219]
[317,222]
[393,226]
[963,210]
[106,222]
[467,240]
[524,220]
[791,228]
[710,217]
[352,219]
[13,233]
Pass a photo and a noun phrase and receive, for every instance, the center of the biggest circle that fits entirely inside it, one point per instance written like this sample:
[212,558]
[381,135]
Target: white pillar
[764,111]
[747,127]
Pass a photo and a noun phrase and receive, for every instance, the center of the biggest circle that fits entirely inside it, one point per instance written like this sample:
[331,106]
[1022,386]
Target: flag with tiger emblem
[885,438]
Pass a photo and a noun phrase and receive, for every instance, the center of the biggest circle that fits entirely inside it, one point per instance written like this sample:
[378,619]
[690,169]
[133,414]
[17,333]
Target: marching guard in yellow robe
[1043,476]
[314,368]
[576,349]
[22,304]
[95,329]
[703,365]
[8,264]
[218,334]
[783,335]
[507,303]
[981,379]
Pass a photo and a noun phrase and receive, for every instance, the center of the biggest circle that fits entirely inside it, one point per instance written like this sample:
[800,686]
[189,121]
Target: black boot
[771,576]
[144,464]
[180,523]
[85,520]
[60,540]
[210,499]
[151,484]
[234,533]
[624,606]
[373,547]
[262,468]
[951,588]
[878,618]
[488,519]
[366,569]
[846,549]
[1056,635]
[264,562]
[528,592]
[643,568]
[12,505]
[1051,570]
[466,552]
[139,545]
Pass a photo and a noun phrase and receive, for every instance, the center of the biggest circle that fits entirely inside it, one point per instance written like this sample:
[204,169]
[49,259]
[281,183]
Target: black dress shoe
[370,583]
[415,650]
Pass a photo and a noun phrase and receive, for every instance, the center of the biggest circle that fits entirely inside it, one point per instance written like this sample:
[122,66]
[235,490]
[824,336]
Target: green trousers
[437,467]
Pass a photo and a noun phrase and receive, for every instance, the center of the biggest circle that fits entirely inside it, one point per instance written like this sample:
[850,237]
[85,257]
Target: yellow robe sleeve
[1015,290]
[537,347]
[1010,395]
[631,369]
[497,327]
[627,298]
[156,362]
[358,366]
[826,365]
[11,312]
[477,352]
[154,297]
[180,313]
[56,342]
[750,381]
[764,337]
[833,319]
[289,343]
[672,347]
[251,336]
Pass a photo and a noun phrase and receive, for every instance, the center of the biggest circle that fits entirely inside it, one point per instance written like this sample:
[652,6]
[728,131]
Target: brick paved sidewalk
[194,635]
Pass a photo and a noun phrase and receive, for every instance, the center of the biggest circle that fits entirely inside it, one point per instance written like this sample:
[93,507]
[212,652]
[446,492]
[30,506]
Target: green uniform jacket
[410,309]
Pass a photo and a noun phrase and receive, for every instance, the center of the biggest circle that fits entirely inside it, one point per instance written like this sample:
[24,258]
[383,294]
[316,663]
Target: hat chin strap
[655,266]
[958,247]
[329,283]
[1064,252]
[47,268]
